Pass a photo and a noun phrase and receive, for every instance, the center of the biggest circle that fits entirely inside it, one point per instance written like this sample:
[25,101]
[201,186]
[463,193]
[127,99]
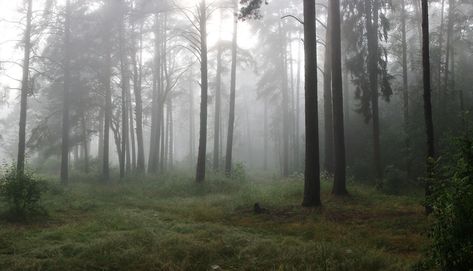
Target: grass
[175,224]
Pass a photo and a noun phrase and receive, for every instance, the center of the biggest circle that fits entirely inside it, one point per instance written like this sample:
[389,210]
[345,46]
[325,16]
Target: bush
[394,182]
[239,172]
[22,193]
[452,203]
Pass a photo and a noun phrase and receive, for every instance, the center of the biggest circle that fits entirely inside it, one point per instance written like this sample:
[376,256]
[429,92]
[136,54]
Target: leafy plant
[22,194]
[452,202]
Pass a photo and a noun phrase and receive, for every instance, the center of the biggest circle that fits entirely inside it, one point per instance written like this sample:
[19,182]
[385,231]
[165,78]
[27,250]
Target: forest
[236,135]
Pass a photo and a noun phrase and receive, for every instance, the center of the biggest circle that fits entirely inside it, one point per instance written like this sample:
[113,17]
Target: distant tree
[66,102]
[231,114]
[429,126]
[25,89]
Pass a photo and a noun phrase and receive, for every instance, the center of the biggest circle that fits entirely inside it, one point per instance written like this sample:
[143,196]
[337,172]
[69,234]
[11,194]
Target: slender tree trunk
[171,135]
[201,156]
[191,121]
[137,78]
[372,29]
[312,166]
[132,132]
[101,137]
[298,113]
[218,101]
[155,110]
[65,110]
[231,115]
[328,118]
[125,84]
[284,106]
[439,60]
[339,183]
[405,87]
[108,105]
[265,135]
[85,140]
[429,126]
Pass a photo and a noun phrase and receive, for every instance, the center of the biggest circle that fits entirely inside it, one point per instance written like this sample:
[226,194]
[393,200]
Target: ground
[174,224]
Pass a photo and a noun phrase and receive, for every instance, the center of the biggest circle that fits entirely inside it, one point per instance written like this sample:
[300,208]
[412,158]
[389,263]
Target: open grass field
[175,224]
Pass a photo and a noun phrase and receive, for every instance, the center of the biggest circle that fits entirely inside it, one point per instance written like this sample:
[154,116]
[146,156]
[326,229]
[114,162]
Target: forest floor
[175,224]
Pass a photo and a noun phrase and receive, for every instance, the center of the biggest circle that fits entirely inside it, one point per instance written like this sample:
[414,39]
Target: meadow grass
[171,223]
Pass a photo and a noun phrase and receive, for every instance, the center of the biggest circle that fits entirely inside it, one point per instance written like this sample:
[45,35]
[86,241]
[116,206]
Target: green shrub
[239,172]
[21,193]
[394,181]
[452,202]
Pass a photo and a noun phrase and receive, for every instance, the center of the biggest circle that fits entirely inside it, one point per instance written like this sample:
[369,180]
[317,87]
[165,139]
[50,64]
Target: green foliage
[21,193]
[394,182]
[239,172]
[452,203]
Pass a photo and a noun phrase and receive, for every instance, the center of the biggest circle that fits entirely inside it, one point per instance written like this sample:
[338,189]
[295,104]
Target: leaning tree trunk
[24,92]
[328,118]
[231,114]
[312,166]
[429,126]
[200,169]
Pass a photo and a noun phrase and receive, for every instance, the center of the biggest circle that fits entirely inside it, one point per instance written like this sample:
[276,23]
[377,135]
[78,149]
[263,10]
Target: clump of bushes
[22,193]
[451,231]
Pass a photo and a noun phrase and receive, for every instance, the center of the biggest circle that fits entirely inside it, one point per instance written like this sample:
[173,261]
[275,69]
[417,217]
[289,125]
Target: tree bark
[137,80]
[312,167]
[328,110]
[372,32]
[201,156]
[231,114]
[67,85]
[125,85]
[108,101]
[339,183]
[429,126]
[24,92]
[405,88]
[218,101]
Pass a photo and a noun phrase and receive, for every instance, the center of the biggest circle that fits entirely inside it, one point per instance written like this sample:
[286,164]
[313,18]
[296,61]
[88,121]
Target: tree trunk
[298,108]
[405,87]
[339,182]
[218,101]
[125,85]
[284,106]
[24,92]
[328,118]
[155,107]
[231,114]
[67,85]
[191,120]
[265,135]
[201,156]
[137,78]
[85,145]
[429,126]
[372,29]
[312,167]
[108,104]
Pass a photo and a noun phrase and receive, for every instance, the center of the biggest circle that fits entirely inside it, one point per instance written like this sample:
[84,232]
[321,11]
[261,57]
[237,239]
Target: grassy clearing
[174,224]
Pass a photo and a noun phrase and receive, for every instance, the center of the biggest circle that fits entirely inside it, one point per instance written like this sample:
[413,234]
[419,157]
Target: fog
[114,92]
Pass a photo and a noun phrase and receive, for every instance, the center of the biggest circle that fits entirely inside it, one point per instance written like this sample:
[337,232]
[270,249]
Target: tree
[67,83]
[24,90]
[202,151]
[312,167]
[328,110]
[218,102]
[339,186]
[429,126]
[107,39]
[231,114]
[125,85]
